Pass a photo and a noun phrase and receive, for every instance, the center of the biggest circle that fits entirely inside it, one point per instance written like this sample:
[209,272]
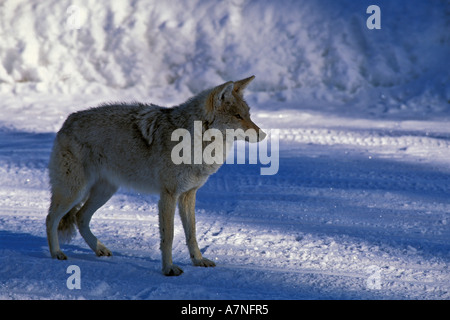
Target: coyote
[100,149]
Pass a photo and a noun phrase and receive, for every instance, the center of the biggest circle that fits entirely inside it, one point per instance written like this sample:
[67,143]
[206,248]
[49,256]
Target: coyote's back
[107,143]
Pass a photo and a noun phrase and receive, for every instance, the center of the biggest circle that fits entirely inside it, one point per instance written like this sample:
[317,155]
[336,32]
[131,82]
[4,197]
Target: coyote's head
[227,109]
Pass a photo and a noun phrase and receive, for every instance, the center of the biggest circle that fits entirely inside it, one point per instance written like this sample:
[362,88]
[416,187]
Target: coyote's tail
[67,226]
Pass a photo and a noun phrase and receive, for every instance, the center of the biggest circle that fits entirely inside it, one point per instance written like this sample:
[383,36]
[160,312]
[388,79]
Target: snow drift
[300,51]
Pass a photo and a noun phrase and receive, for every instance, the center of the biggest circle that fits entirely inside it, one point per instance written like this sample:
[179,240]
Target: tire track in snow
[363,138]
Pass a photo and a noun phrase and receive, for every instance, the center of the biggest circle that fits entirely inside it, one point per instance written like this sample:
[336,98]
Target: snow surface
[359,208]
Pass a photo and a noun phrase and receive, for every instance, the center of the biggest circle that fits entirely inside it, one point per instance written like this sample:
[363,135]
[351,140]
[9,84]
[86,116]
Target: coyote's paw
[103,251]
[59,255]
[203,262]
[172,270]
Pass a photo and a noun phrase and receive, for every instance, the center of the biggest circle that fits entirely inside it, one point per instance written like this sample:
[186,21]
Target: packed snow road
[355,211]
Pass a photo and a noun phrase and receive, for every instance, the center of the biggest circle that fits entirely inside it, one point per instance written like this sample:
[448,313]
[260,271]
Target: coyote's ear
[219,95]
[240,85]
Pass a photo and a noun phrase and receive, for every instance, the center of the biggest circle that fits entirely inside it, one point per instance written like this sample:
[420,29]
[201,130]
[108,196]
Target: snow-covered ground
[359,208]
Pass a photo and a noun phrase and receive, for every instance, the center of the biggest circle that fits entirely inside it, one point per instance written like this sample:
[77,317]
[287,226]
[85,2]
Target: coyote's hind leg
[59,207]
[99,194]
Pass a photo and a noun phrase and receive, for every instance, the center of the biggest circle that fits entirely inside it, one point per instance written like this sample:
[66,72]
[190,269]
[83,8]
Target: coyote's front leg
[186,205]
[167,204]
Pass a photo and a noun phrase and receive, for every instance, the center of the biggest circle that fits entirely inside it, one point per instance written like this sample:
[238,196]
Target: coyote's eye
[238,116]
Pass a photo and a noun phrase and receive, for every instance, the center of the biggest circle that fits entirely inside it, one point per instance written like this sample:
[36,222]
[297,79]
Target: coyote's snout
[100,149]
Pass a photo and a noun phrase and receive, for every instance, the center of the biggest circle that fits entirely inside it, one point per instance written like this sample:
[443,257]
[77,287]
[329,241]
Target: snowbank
[305,54]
